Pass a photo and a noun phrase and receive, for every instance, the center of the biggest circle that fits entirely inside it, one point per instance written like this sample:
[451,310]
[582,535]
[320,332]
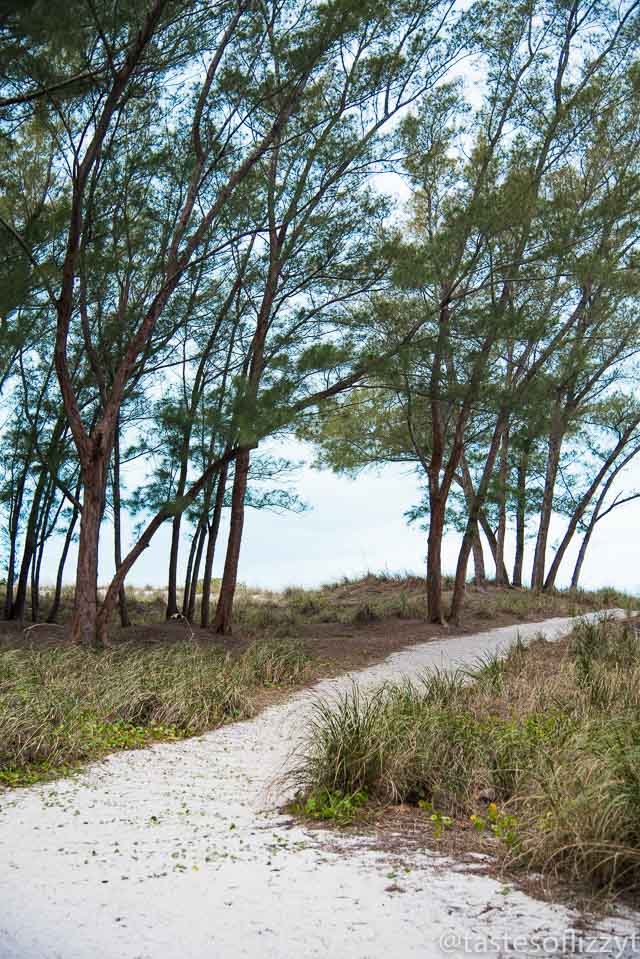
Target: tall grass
[63,705]
[550,735]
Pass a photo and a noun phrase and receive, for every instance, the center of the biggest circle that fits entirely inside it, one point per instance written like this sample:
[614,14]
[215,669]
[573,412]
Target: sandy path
[175,852]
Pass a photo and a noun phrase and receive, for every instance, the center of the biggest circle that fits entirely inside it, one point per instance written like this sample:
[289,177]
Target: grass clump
[272,662]
[539,750]
[62,706]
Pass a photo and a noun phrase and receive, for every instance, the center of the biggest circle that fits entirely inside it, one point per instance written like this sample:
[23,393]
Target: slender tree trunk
[492,541]
[14,526]
[556,436]
[117,525]
[435,609]
[583,504]
[85,609]
[109,604]
[469,494]
[47,527]
[195,572]
[595,516]
[584,546]
[30,546]
[480,573]
[187,578]
[172,584]
[36,562]
[479,570]
[503,473]
[35,589]
[55,605]
[472,521]
[521,517]
[224,610]
[214,529]
[181,485]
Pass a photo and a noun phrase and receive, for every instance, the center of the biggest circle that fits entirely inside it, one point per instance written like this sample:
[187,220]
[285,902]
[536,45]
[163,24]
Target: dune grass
[540,751]
[63,705]
[358,602]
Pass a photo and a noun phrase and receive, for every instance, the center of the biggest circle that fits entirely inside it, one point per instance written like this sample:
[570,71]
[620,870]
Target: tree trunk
[44,531]
[109,604]
[186,592]
[553,461]
[595,516]
[117,525]
[214,529]
[42,535]
[172,584]
[14,526]
[195,572]
[30,546]
[521,517]
[85,609]
[55,605]
[583,504]
[493,543]
[224,610]
[466,482]
[584,545]
[472,522]
[435,610]
[503,474]
[480,573]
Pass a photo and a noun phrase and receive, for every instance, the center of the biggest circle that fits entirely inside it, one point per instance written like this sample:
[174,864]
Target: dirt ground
[371,626]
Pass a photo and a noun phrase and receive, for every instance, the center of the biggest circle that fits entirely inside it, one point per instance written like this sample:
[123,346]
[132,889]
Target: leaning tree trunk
[479,570]
[195,556]
[503,474]
[595,516]
[493,543]
[469,495]
[172,579]
[55,605]
[30,546]
[195,572]
[186,592]
[584,546]
[214,529]
[117,526]
[584,502]
[36,560]
[472,521]
[551,473]
[14,526]
[435,609]
[224,610]
[172,584]
[521,517]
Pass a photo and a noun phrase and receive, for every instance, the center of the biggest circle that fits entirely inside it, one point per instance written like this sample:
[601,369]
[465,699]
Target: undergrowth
[539,750]
[62,706]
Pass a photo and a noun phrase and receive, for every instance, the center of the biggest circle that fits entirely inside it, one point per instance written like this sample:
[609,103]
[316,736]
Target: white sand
[176,852]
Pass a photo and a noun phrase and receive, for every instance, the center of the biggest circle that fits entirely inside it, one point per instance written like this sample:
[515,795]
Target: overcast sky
[353,526]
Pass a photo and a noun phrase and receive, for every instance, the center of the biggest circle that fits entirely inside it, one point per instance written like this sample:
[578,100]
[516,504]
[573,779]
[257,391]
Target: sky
[353,526]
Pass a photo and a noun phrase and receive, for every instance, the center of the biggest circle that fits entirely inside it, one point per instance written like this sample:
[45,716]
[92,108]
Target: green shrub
[557,745]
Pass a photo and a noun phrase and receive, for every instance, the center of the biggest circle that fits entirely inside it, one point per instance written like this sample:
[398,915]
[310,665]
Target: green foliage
[331,806]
